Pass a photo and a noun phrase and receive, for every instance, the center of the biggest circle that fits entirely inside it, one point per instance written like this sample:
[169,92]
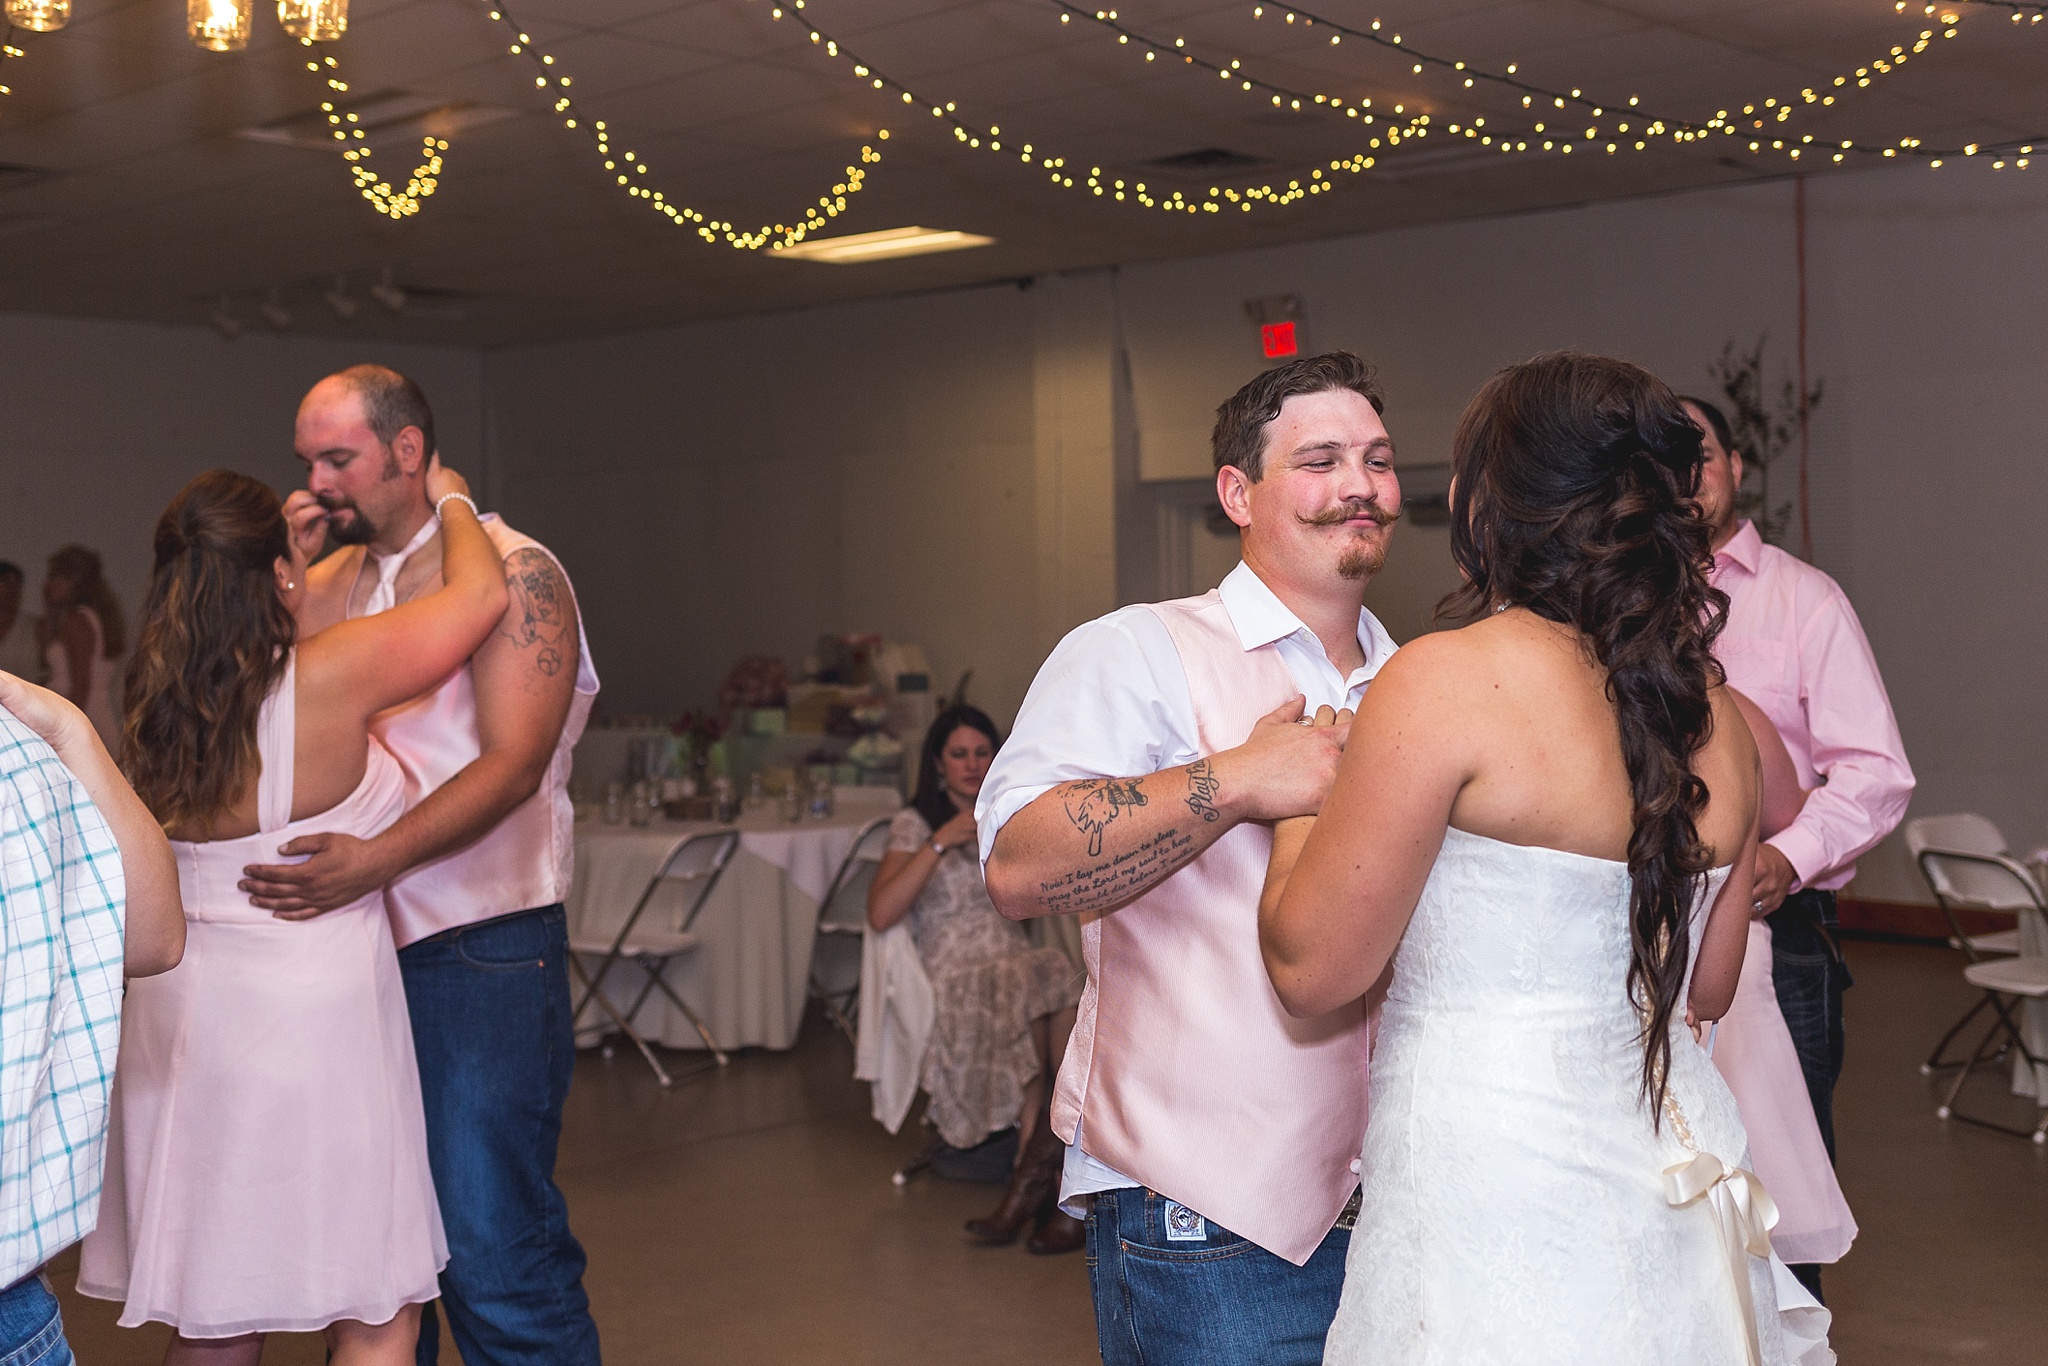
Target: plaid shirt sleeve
[62,903]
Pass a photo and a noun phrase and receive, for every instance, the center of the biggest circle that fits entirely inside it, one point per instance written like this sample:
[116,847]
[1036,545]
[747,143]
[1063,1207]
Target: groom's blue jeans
[1164,1302]
[490,1024]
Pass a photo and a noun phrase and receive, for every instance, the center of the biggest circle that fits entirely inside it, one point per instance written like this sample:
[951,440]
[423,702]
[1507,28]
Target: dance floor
[748,1217]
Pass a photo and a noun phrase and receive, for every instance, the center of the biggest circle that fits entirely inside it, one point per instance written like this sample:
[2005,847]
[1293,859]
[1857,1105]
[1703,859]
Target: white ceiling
[153,209]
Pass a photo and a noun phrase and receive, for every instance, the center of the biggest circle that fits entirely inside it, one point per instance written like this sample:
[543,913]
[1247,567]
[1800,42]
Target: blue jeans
[1202,1301]
[31,1328]
[490,1024]
[1810,976]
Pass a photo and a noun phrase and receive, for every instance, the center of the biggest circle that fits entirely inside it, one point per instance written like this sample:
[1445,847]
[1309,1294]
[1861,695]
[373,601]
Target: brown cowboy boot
[1035,1178]
[1060,1233]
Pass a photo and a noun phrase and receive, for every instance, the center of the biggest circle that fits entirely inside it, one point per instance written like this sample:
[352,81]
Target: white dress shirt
[1112,701]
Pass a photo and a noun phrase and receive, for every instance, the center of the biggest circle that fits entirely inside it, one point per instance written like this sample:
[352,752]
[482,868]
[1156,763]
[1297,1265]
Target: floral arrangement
[756,681]
[700,728]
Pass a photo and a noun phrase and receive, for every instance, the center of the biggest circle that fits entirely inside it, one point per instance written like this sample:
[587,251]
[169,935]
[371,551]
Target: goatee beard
[1361,562]
[356,531]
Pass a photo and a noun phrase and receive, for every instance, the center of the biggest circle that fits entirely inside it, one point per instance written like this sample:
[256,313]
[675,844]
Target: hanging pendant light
[219,25]
[39,16]
[322,21]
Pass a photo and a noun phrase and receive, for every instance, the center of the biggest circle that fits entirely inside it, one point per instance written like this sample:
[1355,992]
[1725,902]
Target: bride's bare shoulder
[1457,670]
[1433,660]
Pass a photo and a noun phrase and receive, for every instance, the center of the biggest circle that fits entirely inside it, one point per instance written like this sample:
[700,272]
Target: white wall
[106,421]
[743,488]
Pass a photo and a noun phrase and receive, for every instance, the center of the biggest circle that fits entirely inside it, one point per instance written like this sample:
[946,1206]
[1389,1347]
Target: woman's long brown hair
[1577,476]
[214,640]
[81,565]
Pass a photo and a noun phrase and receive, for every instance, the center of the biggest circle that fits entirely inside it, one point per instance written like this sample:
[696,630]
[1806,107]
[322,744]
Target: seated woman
[1753,1052]
[267,1155]
[1003,1009]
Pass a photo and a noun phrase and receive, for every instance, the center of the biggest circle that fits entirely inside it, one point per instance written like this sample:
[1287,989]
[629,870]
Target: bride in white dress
[1544,823]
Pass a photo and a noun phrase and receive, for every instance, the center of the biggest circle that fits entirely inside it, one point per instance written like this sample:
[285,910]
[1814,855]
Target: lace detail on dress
[988,985]
[1514,1202]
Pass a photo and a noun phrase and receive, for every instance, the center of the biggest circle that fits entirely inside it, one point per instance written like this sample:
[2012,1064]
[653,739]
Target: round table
[749,975]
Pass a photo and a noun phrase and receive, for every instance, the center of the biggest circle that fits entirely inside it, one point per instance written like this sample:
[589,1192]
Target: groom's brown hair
[1241,422]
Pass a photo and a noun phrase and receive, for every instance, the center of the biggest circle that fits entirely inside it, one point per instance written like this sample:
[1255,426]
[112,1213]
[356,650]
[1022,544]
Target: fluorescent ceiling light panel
[880,246]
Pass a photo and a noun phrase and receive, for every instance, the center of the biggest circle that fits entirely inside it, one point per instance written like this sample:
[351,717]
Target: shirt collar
[1745,547]
[1260,618]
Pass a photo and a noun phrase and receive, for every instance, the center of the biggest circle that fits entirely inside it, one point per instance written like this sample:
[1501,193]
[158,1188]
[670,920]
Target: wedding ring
[1757,906]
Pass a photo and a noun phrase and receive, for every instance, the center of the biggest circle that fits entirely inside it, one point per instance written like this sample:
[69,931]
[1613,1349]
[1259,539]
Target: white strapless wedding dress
[1520,1207]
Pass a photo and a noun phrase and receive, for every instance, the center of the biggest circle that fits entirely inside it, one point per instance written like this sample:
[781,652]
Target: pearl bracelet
[463,496]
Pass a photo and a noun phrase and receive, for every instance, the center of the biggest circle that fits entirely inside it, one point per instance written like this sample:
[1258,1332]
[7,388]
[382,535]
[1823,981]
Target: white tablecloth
[748,976]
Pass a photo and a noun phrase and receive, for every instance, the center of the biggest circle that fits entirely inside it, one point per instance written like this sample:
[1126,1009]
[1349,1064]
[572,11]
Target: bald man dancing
[474,873]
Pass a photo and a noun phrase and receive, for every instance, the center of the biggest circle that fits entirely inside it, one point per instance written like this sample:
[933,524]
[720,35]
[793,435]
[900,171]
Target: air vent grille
[1210,162]
[14,176]
[387,114]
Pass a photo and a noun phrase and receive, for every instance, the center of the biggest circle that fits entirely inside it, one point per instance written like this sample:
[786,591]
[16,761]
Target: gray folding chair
[2005,982]
[1964,860]
[843,914]
[697,862]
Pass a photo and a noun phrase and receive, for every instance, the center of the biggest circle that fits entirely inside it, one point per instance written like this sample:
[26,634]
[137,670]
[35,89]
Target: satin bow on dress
[1744,1213]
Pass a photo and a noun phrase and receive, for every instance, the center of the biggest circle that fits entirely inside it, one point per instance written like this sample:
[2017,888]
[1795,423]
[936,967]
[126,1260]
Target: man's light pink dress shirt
[1794,647]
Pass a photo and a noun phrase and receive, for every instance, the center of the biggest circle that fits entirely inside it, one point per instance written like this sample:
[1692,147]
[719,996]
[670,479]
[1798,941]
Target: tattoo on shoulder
[541,612]
[1202,789]
[1092,805]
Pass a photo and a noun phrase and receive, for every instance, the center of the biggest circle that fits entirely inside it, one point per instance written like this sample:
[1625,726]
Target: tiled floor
[748,1217]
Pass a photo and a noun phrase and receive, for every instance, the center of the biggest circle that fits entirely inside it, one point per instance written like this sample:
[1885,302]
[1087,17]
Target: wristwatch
[938,849]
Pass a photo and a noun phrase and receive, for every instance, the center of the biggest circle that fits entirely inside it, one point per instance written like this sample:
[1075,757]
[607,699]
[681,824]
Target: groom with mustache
[1217,1136]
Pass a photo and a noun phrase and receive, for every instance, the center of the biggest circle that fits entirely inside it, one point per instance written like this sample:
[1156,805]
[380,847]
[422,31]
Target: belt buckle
[1349,1218]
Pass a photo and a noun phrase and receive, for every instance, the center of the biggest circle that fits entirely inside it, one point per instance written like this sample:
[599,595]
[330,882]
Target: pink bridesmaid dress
[267,1157]
[1753,1050]
[99,684]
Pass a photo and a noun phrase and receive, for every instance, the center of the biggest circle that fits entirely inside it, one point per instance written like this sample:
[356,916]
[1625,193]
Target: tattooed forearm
[1091,806]
[1202,790]
[541,615]
[1120,878]
[1100,843]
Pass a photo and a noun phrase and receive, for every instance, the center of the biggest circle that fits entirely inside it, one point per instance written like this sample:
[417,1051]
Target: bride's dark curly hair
[1576,477]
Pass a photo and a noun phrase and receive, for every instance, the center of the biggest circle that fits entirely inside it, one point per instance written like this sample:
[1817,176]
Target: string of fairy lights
[8,50]
[1232,71]
[627,166]
[346,126]
[2021,14]
[1756,123]
[1095,181]
[1779,109]
[1614,125]
[1415,125]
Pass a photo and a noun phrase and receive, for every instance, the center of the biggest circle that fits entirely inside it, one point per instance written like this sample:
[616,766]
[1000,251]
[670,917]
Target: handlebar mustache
[1347,510]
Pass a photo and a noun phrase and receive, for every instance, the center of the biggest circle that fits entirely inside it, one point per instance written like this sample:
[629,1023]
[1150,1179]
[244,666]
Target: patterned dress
[988,985]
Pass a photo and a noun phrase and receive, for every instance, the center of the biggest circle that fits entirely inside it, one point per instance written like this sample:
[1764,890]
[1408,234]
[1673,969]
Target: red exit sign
[1279,340]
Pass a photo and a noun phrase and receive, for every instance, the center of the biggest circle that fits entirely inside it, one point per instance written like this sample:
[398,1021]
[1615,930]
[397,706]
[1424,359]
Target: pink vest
[526,859]
[1184,1071]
